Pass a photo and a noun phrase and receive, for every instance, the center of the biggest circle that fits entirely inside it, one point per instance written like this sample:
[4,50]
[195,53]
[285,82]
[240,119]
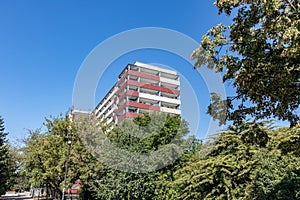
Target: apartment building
[140,88]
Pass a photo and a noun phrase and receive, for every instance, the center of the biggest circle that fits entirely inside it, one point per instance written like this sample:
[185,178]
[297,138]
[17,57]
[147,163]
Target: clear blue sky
[43,43]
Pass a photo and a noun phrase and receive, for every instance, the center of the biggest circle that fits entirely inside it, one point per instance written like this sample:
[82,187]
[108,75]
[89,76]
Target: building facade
[140,88]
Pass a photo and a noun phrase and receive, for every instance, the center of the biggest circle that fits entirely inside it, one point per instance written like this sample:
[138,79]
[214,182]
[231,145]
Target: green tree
[245,162]
[7,165]
[277,174]
[46,153]
[144,135]
[259,54]
[19,180]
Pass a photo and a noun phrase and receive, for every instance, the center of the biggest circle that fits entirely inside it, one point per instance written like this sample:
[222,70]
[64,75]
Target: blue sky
[43,44]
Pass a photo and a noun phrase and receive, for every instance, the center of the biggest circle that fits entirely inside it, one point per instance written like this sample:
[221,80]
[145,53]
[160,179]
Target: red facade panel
[127,114]
[143,106]
[122,78]
[161,89]
[121,107]
[153,87]
[122,88]
[127,93]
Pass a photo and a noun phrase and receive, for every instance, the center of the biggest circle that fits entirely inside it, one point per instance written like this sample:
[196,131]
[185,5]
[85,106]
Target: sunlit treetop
[259,54]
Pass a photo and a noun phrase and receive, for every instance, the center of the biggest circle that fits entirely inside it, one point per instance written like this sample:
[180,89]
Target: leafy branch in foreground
[259,53]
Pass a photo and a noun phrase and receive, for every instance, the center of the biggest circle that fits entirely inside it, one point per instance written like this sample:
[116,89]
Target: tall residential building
[140,88]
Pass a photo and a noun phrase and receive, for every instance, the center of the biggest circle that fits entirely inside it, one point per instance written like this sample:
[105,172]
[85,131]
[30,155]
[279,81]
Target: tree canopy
[238,165]
[7,162]
[119,183]
[249,160]
[45,156]
[259,54]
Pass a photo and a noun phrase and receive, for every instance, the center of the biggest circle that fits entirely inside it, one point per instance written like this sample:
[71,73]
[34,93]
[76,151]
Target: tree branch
[292,6]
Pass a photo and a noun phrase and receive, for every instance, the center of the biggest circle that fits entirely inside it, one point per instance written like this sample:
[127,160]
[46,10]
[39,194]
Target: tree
[46,154]
[20,181]
[246,162]
[277,175]
[259,53]
[145,134]
[7,165]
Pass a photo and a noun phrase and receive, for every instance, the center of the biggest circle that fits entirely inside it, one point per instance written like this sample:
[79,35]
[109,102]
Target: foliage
[19,180]
[7,164]
[239,165]
[259,53]
[277,175]
[46,154]
[248,161]
[145,134]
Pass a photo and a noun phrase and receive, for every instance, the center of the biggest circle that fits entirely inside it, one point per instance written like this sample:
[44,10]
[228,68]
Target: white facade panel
[170,110]
[171,81]
[109,121]
[107,99]
[158,98]
[106,107]
[155,68]
[109,113]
